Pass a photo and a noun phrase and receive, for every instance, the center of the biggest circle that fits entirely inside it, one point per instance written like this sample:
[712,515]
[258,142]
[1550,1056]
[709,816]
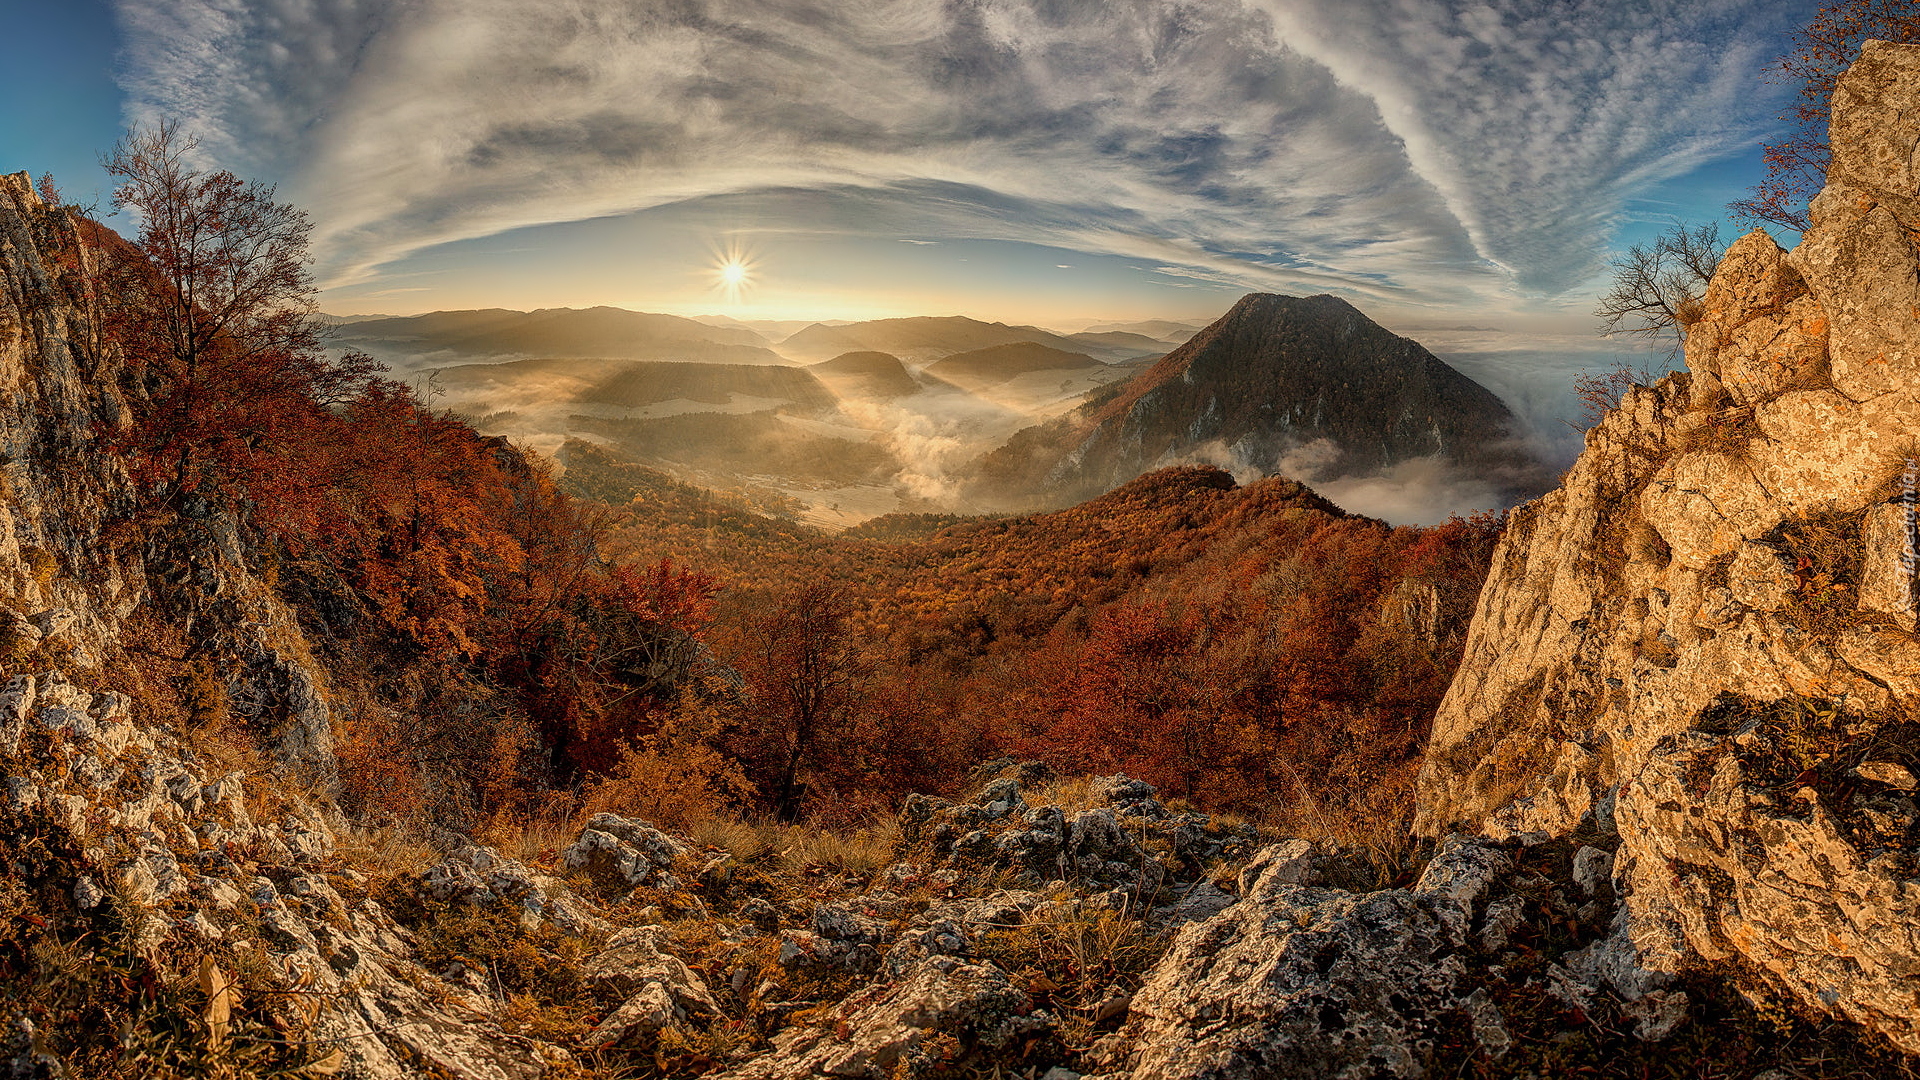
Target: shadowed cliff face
[1308,387]
[1705,638]
[77,559]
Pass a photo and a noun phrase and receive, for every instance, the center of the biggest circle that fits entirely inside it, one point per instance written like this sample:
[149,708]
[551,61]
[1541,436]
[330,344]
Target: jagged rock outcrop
[73,540]
[1300,978]
[1705,638]
[57,492]
[169,855]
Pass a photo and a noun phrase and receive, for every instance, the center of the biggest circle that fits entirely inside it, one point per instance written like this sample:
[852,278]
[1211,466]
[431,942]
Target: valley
[844,423]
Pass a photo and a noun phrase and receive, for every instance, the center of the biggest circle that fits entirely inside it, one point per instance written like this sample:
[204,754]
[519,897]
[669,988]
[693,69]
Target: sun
[733,274]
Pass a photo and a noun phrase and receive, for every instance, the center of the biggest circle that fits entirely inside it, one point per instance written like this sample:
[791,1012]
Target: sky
[1029,160]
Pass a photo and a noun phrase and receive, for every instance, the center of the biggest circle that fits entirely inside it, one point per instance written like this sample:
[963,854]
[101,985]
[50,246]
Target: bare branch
[1657,288]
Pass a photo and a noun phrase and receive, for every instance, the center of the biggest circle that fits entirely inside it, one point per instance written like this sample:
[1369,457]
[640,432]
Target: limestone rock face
[167,845]
[1304,980]
[74,561]
[1813,893]
[1698,637]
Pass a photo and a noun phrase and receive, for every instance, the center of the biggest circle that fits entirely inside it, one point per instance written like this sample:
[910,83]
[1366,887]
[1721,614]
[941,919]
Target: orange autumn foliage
[1249,647]
[1822,51]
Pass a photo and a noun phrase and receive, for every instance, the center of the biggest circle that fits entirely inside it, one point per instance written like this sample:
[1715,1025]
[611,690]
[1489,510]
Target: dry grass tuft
[385,854]
[857,851]
[745,842]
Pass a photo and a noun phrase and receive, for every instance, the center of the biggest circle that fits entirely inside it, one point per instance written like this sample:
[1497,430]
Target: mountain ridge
[1307,385]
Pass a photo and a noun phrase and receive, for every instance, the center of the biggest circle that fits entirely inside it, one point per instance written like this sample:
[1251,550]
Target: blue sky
[1053,161]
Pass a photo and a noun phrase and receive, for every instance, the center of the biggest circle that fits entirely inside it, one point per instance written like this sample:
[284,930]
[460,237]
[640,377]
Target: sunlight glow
[733,274]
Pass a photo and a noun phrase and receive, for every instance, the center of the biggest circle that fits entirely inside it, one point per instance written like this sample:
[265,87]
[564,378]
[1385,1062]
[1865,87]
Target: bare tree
[235,259]
[1658,288]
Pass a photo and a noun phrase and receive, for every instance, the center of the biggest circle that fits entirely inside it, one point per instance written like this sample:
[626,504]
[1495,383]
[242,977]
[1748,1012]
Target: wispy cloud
[1424,151]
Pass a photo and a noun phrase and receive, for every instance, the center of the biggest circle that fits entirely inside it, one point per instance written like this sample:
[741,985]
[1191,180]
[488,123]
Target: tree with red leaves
[806,676]
[1822,52]
[216,319]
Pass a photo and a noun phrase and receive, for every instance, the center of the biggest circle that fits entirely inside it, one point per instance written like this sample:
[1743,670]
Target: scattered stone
[622,851]
[1890,773]
[1593,870]
[881,1027]
[764,916]
[52,623]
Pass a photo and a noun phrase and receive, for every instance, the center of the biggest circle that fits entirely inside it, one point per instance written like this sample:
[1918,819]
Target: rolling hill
[923,340]
[867,374]
[1000,364]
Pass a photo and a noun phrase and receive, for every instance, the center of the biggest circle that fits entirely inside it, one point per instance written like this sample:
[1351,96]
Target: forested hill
[1280,384]
[976,637]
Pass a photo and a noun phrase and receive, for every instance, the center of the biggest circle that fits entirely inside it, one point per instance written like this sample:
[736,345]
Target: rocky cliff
[1704,640]
[80,563]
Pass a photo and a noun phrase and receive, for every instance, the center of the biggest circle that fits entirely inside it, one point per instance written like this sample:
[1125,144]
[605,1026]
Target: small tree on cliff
[1655,295]
[215,317]
[1822,52]
[1657,288]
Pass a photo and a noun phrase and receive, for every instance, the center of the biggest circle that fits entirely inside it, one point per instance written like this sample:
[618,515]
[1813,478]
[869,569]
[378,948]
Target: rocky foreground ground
[1044,927]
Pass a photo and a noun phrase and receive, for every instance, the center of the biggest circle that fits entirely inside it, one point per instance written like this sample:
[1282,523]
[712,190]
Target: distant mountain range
[1162,330]
[936,412]
[618,334]
[600,332]
[924,340]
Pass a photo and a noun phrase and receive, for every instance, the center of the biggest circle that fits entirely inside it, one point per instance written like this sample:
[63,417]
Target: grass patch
[1826,554]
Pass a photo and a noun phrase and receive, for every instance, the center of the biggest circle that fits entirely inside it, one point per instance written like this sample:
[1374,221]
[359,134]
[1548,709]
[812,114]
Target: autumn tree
[215,316]
[805,674]
[1822,51]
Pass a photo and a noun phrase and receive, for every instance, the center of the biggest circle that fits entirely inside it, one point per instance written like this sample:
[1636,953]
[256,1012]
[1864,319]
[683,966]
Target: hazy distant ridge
[612,333]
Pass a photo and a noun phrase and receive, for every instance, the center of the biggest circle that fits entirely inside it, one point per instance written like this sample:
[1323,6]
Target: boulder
[621,851]
[887,1030]
[658,988]
[1300,981]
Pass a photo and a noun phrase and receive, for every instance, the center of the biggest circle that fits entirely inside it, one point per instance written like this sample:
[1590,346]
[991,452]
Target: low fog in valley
[835,423]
